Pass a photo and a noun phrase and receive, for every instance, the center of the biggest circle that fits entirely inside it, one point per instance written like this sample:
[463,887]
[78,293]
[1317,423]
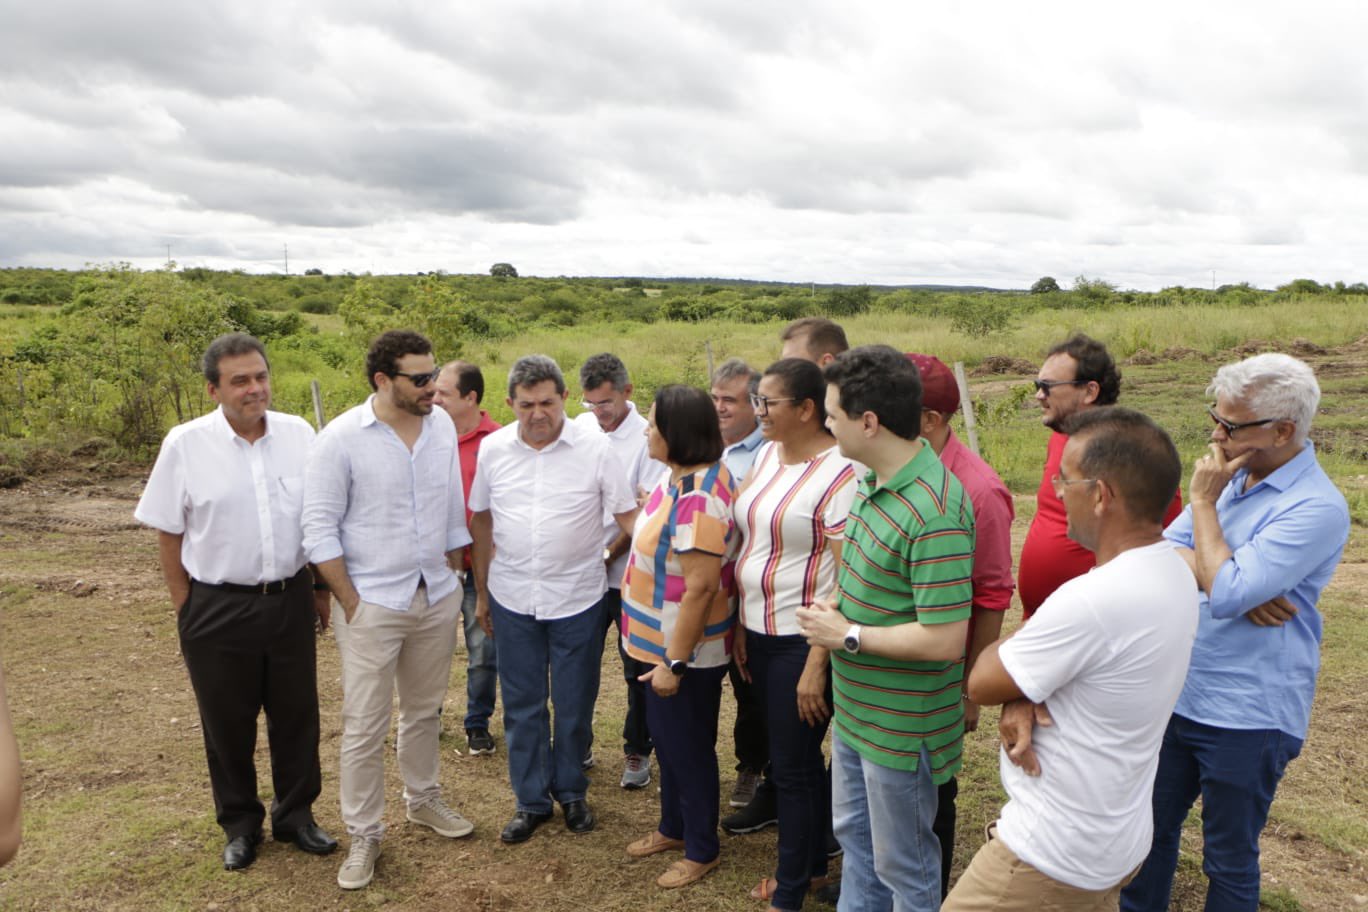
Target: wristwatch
[852,639]
[677,666]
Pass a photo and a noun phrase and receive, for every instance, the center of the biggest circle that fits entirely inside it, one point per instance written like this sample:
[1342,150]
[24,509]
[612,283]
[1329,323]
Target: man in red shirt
[992,576]
[1077,374]
[460,387]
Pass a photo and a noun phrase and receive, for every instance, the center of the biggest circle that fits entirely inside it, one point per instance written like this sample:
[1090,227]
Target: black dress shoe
[523,824]
[240,851]
[310,838]
[578,817]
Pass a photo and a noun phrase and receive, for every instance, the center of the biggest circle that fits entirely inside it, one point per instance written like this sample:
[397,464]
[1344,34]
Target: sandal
[652,844]
[684,872]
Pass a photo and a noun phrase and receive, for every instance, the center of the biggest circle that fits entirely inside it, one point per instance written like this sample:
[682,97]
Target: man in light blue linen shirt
[384,521]
[1263,532]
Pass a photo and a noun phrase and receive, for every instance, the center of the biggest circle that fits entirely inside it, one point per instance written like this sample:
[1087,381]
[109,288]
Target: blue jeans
[1236,772]
[684,728]
[796,764]
[883,820]
[569,650]
[482,675]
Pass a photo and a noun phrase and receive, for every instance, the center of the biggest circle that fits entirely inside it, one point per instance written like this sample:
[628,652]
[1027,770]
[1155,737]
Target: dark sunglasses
[1231,427]
[1044,386]
[419,380]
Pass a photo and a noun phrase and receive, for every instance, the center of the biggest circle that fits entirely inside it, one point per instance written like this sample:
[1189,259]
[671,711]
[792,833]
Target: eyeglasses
[1044,386]
[1231,427]
[1060,483]
[761,404]
[419,380]
[595,406]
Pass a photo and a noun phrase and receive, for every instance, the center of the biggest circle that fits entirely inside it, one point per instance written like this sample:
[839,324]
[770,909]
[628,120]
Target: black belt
[275,587]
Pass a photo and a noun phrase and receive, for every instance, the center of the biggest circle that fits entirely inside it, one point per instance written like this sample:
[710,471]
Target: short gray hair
[732,368]
[529,370]
[1273,386]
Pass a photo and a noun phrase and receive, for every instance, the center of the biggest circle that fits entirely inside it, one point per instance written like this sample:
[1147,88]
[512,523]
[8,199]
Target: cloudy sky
[1149,144]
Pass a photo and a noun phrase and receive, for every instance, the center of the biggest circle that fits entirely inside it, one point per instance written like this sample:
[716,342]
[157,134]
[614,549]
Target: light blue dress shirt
[1287,534]
[390,513]
[740,456]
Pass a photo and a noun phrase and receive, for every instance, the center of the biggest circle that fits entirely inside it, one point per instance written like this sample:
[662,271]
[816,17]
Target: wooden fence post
[967,406]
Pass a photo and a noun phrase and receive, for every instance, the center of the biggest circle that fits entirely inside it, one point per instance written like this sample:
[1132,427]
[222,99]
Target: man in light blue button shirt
[384,521]
[1263,532]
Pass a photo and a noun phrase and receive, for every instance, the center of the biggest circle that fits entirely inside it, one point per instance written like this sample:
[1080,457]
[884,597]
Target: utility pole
[168,256]
[287,259]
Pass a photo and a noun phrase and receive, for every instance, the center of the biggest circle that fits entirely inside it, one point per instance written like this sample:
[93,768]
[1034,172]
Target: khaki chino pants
[999,881]
[381,650]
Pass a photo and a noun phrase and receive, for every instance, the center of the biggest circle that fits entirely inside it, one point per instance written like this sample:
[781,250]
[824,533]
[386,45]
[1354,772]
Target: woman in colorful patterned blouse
[791,517]
[677,618]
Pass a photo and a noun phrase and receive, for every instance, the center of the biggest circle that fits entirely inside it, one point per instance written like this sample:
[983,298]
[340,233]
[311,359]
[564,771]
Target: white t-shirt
[1108,652]
[547,508]
[629,446]
[786,515]
[236,503]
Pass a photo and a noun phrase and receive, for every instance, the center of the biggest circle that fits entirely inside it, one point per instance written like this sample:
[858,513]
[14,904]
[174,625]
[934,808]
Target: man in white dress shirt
[608,407]
[224,497]
[384,522]
[542,487]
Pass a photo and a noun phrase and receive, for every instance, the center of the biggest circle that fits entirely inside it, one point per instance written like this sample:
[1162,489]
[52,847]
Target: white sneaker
[442,820]
[636,771]
[359,868]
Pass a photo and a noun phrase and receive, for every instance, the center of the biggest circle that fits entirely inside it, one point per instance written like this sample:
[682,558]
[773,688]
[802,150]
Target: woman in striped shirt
[791,515]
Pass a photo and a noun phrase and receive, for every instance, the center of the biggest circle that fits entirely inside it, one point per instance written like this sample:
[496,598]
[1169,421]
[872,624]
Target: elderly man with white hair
[1263,532]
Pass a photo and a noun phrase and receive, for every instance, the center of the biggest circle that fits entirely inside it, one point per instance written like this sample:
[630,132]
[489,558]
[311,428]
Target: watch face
[852,644]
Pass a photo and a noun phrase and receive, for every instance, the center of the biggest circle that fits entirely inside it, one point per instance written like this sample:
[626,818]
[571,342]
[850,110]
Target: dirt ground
[118,813]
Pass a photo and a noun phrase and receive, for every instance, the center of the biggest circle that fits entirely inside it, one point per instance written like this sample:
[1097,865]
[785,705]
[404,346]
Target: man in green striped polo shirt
[896,634]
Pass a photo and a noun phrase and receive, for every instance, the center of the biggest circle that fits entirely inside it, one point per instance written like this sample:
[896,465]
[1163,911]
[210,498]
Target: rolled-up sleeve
[325,499]
[1277,558]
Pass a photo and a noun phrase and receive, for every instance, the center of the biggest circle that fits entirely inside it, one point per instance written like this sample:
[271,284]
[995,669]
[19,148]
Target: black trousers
[944,828]
[636,736]
[246,653]
[751,733]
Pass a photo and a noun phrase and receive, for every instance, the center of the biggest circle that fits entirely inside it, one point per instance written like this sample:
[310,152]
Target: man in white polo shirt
[608,408]
[1107,652]
[542,487]
[224,497]
[384,521]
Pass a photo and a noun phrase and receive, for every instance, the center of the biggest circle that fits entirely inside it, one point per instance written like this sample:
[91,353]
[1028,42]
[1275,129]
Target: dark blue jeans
[482,674]
[569,651]
[684,729]
[796,764]
[1236,772]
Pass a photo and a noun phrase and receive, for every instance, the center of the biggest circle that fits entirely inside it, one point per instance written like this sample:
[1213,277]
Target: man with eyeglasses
[459,392]
[1078,374]
[607,404]
[224,497]
[1263,533]
[384,521]
[541,491]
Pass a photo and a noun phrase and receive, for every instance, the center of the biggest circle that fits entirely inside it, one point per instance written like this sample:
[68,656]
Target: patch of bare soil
[1002,364]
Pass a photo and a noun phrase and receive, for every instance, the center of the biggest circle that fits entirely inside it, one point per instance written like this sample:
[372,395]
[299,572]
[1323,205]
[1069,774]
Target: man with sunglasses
[1078,374]
[1263,533]
[384,521]
[608,408]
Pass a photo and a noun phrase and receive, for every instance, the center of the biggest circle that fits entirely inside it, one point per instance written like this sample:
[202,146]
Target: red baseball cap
[940,391]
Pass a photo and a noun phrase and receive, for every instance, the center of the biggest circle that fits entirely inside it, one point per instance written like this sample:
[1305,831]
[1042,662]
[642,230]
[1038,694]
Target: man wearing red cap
[992,576]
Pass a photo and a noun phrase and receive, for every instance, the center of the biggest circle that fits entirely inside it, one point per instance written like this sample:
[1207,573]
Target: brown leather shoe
[652,844]
[684,872]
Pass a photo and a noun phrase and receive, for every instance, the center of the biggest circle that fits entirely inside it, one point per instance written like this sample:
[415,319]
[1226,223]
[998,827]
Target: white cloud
[808,140]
